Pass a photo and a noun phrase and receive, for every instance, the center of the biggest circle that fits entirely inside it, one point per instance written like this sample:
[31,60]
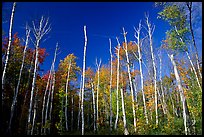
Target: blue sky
[103,20]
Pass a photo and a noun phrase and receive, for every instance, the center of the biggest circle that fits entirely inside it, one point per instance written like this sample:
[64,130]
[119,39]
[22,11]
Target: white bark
[94,106]
[19,79]
[72,114]
[66,94]
[83,79]
[117,86]
[150,32]
[141,73]
[38,33]
[124,116]
[130,79]
[98,72]
[180,91]
[199,85]
[111,72]
[35,111]
[79,110]
[8,50]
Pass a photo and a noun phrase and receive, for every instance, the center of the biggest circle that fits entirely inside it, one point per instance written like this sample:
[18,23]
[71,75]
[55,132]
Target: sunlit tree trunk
[97,92]
[130,79]
[79,107]
[183,99]
[94,106]
[111,72]
[19,79]
[38,33]
[141,73]
[117,86]
[83,79]
[8,51]
[66,96]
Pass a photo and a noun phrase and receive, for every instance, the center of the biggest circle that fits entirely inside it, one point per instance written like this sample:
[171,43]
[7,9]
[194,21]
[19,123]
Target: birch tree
[130,79]
[83,79]
[111,72]
[38,33]
[97,92]
[150,30]
[137,36]
[8,50]
[19,78]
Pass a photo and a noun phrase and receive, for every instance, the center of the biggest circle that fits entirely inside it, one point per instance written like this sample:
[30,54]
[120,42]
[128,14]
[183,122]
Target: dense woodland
[130,95]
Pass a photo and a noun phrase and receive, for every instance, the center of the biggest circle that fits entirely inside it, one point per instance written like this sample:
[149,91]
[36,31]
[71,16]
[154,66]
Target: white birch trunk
[38,33]
[34,113]
[98,72]
[72,114]
[66,92]
[130,79]
[83,79]
[19,78]
[8,50]
[79,110]
[141,73]
[124,116]
[111,72]
[180,91]
[94,106]
[150,32]
[117,86]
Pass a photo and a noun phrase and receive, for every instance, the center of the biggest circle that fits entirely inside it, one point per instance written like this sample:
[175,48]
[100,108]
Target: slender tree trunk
[117,86]
[83,79]
[130,79]
[79,110]
[52,95]
[190,61]
[124,116]
[72,114]
[66,98]
[98,72]
[183,100]
[19,79]
[8,51]
[111,73]
[141,73]
[189,5]
[35,111]
[94,107]
[150,32]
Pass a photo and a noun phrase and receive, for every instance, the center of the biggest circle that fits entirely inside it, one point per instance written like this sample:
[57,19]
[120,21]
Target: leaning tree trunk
[66,92]
[19,79]
[38,33]
[117,86]
[141,73]
[83,79]
[183,100]
[8,51]
[111,72]
[150,32]
[129,76]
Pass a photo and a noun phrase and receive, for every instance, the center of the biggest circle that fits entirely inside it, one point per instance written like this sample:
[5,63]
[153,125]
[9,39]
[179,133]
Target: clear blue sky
[103,20]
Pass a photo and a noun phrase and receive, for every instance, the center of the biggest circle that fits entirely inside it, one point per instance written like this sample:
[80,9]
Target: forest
[129,95]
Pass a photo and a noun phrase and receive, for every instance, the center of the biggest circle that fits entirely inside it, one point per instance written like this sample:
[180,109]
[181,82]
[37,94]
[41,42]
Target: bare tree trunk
[141,73]
[189,5]
[117,87]
[150,32]
[83,78]
[94,106]
[35,111]
[8,51]
[124,116]
[72,120]
[98,72]
[38,33]
[79,110]
[52,94]
[66,91]
[180,91]
[130,79]
[111,72]
[19,79]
